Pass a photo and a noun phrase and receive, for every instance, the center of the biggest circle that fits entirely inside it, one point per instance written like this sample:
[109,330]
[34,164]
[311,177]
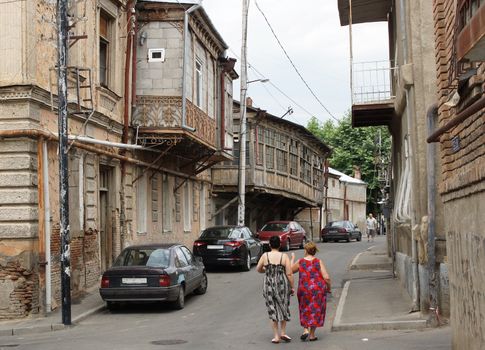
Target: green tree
[355,147]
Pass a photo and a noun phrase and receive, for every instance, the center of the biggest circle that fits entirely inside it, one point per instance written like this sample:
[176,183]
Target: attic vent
[156,55]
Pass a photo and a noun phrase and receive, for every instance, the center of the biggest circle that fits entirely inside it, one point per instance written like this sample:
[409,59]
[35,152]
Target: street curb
[51,327]
[382,266]
[340,306]
[88,313]
[380,326]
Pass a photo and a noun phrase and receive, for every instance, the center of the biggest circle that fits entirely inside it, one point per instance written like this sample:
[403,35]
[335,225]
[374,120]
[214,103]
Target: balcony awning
[364,11]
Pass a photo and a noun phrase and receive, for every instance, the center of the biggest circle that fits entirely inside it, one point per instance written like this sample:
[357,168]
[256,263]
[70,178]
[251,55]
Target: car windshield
[151,257]
[274,226]
[220,233]
[336,224]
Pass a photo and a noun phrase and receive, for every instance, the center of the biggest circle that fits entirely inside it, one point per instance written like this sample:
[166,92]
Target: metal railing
[372,81]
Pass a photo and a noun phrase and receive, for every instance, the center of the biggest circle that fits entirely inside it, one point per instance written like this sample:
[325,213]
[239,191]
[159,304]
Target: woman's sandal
[304,336]
[275,341]
[313,339]
[285,338]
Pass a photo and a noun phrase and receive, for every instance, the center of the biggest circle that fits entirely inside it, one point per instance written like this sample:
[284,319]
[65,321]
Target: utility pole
[62,32]
[241,209]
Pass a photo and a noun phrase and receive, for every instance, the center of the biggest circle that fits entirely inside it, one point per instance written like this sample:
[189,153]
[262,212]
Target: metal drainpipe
[47,228]
[431,163]
[184,68]
[410,127]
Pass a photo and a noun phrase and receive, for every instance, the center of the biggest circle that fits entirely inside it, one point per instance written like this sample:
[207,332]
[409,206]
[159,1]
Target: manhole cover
[169,342]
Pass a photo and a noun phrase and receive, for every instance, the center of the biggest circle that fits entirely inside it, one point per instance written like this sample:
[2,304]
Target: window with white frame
[167,195]
[198,82]
[187,206]
[141,204]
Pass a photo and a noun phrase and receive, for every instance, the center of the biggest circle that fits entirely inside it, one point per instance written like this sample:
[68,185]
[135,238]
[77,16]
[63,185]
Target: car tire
[202,288]
[180,302]
[303,242]
[247,262]
[347,239]
[111,305]
[287,246]
[359,238]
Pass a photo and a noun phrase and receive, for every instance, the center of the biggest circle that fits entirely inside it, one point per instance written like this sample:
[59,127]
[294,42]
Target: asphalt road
[231,315]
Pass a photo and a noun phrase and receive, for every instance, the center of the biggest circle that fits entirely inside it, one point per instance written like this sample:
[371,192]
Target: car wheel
[303,242]
[287,245]
[359,238]
[111,305]
[247,262]
[180,302]
[203,285]
[347,239]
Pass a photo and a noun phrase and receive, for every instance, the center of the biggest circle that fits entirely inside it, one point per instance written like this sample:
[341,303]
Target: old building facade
[460,135]
[284,172]
[147,98]
[401,99]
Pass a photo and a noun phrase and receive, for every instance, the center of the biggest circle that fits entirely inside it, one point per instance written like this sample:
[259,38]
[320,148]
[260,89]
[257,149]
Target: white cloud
[311,33]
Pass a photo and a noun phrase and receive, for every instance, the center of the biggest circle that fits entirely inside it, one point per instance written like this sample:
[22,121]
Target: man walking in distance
[371,227]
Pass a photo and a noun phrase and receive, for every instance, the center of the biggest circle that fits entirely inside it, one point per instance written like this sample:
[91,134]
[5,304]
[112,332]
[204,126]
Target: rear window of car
[336,224]
[144,257]
[275,227]
[220,233]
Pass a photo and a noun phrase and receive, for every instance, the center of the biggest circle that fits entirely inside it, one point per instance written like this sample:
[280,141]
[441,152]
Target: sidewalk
[81,308]
[371,298]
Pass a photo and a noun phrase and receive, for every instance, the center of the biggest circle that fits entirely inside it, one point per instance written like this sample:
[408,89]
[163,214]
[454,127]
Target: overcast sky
[311,33]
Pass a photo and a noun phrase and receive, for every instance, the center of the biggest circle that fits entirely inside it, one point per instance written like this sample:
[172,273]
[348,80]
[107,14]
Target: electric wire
[294,66]
[251,66]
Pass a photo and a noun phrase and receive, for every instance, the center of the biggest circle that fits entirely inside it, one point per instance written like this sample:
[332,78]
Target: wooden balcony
[162,116]
[470,42]
[225,179]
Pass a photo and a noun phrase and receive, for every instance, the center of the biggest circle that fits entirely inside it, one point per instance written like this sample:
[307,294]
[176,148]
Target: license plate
[134,280]
[264,242]
[213,246]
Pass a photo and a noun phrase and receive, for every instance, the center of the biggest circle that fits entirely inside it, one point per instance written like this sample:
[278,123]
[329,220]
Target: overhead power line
[294,66]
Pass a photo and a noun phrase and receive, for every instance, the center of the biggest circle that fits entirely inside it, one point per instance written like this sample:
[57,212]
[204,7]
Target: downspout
[431,164]
[133,58]
[184,68]
[47,228]
[409,119]
[128,62]
[223,109]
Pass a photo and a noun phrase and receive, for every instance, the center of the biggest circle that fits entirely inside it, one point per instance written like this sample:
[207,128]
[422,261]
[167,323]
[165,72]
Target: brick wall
[462,188]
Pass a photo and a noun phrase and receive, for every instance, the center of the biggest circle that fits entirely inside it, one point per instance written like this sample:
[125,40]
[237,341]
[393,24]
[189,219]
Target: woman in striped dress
[277,288]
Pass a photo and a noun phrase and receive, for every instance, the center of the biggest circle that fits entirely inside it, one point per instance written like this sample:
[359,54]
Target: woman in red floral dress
[313,285]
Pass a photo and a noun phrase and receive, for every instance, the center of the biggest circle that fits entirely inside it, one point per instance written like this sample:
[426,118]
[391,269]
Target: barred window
[293,165]
[281,160]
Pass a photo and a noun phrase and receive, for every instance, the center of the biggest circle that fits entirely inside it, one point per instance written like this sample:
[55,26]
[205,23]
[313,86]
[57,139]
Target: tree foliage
[354,147]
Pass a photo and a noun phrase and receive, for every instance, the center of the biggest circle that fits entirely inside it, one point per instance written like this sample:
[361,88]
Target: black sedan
[340,230]
[228,246]
[154,272]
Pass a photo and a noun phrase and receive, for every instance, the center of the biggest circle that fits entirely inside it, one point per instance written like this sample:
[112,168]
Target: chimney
[249,102]
[357,174]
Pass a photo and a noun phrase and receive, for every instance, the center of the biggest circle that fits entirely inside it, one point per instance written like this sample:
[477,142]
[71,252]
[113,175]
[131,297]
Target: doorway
[105,232]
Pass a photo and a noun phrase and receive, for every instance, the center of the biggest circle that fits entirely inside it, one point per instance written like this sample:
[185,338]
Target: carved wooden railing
[165,112]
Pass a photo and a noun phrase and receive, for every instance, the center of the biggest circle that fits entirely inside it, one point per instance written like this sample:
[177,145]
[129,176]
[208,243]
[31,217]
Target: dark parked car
[229,246]
[340,230]
[154,272]
[292,235]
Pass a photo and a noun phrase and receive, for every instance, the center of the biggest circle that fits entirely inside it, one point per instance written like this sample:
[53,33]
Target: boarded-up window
[167,203]
[155,198]
[187,207]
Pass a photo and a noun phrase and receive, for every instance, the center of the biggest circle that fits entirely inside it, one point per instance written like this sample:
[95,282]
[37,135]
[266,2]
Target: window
[294,158]
[141,203]
[259,145]
[202,209]
[187,207]
[188,255]
[305,165]
[156,55]
[282,152]
[155,198]
[105,42]
[180,259]
[167,195]
[198,83]
[269,157]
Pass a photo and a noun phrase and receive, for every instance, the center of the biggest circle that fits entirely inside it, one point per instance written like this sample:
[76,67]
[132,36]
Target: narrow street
[231,315]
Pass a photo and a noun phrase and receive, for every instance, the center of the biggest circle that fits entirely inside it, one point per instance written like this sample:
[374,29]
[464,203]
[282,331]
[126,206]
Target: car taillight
[234,244]
[164,281]
[199,244]
[104,282]
[342,230]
